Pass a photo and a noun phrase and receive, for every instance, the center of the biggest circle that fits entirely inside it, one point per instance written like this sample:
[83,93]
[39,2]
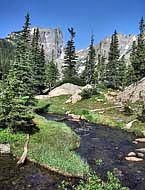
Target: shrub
[142,116]
[95,183]
[88,93]
[128,110]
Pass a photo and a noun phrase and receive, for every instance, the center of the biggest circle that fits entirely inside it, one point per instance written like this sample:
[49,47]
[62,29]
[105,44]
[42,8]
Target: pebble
[141,150]
[140,155]
[133,159]
[131,154]
[141,140]
[134,142]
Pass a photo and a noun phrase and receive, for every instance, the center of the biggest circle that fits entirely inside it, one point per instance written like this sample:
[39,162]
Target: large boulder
[133,93]
[65,89]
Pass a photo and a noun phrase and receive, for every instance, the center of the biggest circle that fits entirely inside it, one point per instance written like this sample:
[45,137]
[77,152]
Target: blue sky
[100,16]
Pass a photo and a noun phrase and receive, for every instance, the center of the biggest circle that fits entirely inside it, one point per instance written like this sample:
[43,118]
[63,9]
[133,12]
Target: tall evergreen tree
[130,75]
[101,69]
[22,66]
[122,73]
[70,58]
[18,94]
[51,74]
[89,72]
[38,61]
[113,62]
[138,53]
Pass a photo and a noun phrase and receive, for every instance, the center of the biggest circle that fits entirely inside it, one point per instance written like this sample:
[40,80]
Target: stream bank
[97,142]
[110,145]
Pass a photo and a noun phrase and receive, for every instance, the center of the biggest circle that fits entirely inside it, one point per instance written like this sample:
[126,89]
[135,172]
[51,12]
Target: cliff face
[133,93]
[51,39]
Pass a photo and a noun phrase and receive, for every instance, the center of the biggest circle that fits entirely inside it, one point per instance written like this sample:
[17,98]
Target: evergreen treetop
[112,68]
[137,56]
[70,58]
[89,72]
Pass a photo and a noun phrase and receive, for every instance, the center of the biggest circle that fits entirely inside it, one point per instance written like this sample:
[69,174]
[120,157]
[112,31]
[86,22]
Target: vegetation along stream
[98,142]
[110,146]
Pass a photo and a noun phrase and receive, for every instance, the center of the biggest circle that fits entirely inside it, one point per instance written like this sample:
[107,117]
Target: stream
[98,142]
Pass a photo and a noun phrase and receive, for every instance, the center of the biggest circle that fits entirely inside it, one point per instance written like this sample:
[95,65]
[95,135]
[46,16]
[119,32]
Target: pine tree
[22,67]
[89,72]
[38,61]
[138,53]
[51,74]
[6,97]
[101,69]
[18,94]
[113,62]
[70,58]
[130,75]
[122,73]
[42,69]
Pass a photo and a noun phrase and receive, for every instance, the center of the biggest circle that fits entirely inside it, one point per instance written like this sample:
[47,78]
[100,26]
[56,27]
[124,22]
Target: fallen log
[24,155]
[104,109]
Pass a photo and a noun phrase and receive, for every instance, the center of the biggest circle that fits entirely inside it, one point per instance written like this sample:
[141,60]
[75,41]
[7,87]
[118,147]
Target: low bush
[95,183]
[88,93]
[142,116]
[128,110]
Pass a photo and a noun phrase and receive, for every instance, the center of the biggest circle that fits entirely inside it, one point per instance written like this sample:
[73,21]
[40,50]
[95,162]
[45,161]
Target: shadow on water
[111,146]
[29,177]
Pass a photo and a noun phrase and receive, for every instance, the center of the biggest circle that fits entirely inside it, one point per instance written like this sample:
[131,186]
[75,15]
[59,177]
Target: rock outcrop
[133,93]
[65,89]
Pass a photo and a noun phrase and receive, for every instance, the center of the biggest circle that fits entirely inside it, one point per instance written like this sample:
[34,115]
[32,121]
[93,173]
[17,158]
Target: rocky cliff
[125,44]
[135,92]
[51,39]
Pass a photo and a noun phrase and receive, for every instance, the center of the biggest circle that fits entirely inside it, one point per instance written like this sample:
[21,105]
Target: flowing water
[110,145]
[98,142]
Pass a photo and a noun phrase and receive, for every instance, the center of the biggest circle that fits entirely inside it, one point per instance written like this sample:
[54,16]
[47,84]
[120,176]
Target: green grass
[6,136]
[53,145]
[112,117]
[83,107]
[94,182]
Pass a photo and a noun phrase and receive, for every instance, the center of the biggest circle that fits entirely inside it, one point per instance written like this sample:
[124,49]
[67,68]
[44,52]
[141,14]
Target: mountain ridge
[53,41]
